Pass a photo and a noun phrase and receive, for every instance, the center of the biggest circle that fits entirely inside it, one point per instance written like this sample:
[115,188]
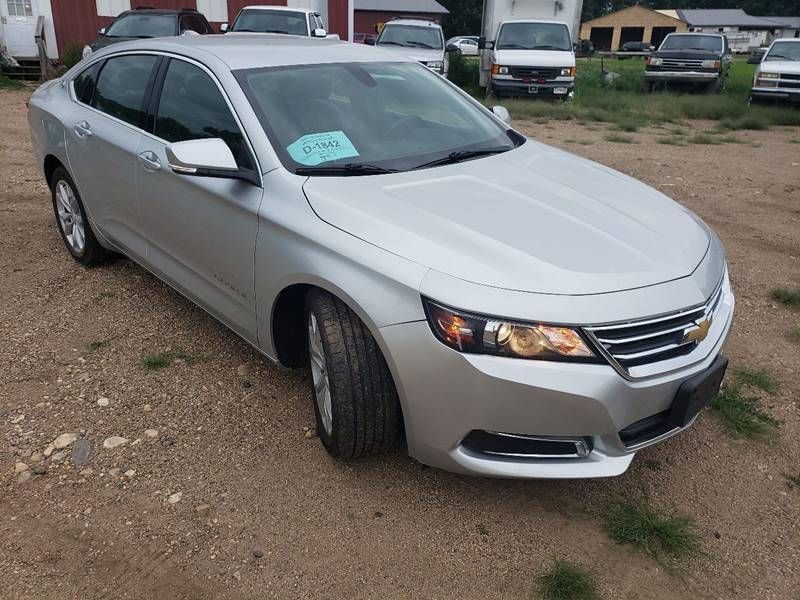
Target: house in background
[76,22]
[640,24]
[369,14]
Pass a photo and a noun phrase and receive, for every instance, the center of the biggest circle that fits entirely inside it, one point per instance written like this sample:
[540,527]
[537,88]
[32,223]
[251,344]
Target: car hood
[534,219]
[533,58]
[417,54]
[781,66]
[105,40]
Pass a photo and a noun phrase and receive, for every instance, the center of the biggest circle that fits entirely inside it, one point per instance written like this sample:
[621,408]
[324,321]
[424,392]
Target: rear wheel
[74,226]
[355,401]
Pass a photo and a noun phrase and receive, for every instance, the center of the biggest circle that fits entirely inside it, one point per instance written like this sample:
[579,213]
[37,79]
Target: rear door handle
[150,161]
[83,129]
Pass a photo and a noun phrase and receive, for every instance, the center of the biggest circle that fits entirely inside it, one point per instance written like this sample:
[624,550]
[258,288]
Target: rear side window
[194,23]
[122,86]
[191,107]
[85,82]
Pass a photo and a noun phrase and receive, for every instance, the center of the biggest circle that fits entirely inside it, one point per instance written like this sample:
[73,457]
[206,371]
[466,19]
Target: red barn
[75,22]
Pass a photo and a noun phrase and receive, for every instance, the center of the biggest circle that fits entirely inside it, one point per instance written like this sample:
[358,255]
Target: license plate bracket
[533,89]
[697,393]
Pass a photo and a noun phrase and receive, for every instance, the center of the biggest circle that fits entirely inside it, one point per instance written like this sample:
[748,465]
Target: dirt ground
[226,496]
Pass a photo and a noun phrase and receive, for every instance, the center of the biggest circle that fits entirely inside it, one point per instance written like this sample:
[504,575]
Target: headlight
[473,334]
[654,61]
[768,75]
[568,72]
[87,50]
[710,64]
[436,64]
[498,70]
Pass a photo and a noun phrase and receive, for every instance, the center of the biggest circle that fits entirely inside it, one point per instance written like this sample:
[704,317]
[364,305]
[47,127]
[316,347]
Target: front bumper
[776,94]
[682,76]
[447,395]
[505,84]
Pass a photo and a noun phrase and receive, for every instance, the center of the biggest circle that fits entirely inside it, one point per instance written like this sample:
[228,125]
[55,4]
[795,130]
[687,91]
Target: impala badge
[697,334]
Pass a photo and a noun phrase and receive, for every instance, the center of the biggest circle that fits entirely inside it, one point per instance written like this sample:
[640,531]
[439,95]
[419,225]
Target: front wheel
[74,226]
[715,87]
[646,86]
[355,401]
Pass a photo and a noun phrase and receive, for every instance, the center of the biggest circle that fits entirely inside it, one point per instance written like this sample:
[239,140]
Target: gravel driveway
[221,490]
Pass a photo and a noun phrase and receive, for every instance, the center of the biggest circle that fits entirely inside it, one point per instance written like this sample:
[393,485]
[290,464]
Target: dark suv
[149,23]
[700,60]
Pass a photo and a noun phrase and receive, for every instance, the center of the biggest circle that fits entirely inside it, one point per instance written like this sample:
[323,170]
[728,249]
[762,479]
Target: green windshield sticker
[317,148]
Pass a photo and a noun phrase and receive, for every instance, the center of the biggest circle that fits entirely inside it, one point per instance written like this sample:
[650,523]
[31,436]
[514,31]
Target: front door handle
[83,129]
[150,161]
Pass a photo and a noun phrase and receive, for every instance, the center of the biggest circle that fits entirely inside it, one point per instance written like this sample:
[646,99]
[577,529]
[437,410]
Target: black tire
[92,253]
[366,415]
[715,87]
[646,86]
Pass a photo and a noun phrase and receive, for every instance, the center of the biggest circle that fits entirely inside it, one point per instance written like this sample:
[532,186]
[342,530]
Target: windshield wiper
[348,170]
[419,44]
[547,48]
[382,43]
[460,156]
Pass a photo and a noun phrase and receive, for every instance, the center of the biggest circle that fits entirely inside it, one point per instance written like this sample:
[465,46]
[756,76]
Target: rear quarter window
[84,83]
[122,85]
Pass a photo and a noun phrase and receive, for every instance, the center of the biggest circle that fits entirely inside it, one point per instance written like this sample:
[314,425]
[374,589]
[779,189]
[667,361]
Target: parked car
[506,308]
[701,60]
[420,39]
[756,56]
[639,47]
[777,78]
[277,19]
[468,46]
[149,23]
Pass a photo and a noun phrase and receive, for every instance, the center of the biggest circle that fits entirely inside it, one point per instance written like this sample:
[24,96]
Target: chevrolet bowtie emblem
[698,333]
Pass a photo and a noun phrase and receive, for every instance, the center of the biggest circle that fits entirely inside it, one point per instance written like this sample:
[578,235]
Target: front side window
[143,26]
[121,87]
[784,51]
[706,43]
[411,36]
[84,83]
[271,21]
[19,8]
[194,23]
[191,107]
[396,116]
[534,36]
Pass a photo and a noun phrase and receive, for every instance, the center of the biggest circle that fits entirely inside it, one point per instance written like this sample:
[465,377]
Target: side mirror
[484,44]
[206,158]
[501,112]
[452,48]
[101,31]
[223,28]
[369,41]
[319,32]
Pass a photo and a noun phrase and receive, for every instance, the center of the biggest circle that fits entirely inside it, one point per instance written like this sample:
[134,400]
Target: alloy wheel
[70,218]
[319,373]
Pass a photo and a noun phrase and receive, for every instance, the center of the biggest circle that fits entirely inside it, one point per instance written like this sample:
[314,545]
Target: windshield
[784,51]
[534,36]
[709,43]
[412,36]
[143,26]
[389,116]
[271,21]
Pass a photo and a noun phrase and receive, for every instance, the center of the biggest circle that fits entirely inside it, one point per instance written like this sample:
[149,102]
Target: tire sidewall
[329,441]
[61,174]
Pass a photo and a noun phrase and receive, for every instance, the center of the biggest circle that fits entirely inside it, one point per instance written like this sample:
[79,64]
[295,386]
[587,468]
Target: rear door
[102,135]
[201,231]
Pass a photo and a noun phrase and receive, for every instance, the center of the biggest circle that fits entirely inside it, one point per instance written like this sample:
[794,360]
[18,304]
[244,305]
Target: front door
[19,27]
[201,231]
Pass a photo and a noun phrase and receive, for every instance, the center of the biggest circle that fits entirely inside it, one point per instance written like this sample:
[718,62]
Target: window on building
[112,8]
[214,10]
[19,8]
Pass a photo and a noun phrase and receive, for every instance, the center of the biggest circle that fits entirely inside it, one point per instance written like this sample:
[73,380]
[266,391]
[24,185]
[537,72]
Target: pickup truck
[700,60]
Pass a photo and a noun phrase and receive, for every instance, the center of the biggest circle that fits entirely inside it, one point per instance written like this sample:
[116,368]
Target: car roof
[418,22]
[793,40]
[685,33]
[159,11]
[256,50]
[281,8]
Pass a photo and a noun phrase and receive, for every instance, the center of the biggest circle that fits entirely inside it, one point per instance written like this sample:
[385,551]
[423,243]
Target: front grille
[790,76]
[652,340]
[680,64]
[792,85]
[536,73]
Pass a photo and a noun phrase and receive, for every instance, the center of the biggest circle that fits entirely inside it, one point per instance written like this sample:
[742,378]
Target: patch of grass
[651,465]
[72,55]
[742,416]
[619,138]
[581,142]
[672,141]
[749,122]
[482,530]
[704,139]
[759,378]
[7,83]
[154,362]
[666,538]
[794,141]
[567,581]
[792,481]
[786,296]
[794,334]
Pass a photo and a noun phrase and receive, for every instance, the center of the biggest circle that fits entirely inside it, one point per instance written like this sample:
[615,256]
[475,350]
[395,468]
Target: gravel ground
[221,490]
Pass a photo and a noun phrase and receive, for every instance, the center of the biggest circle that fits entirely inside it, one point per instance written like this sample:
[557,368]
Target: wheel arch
[51,163]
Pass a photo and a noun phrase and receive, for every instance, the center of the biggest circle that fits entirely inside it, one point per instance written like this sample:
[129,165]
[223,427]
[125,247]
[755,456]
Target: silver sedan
[497,306]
